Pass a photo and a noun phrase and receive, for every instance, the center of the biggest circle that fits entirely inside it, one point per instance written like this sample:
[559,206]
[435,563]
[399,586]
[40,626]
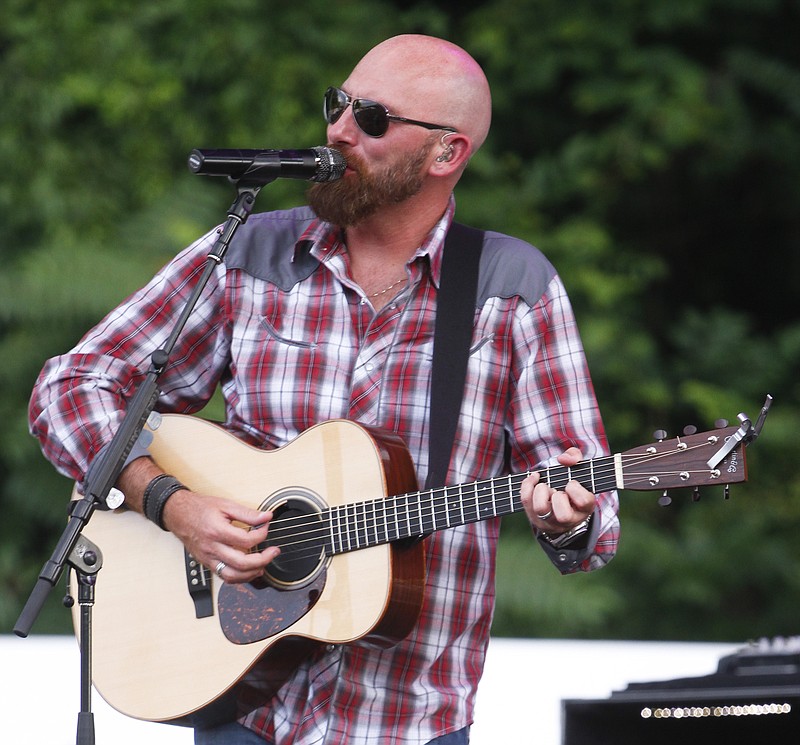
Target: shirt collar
[323,240]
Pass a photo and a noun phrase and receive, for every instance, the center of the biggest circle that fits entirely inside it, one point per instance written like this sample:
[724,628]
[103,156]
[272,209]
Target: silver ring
[546,515]
[219,567]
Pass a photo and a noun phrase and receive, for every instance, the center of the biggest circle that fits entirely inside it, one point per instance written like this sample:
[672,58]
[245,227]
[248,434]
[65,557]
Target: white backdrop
[519,699]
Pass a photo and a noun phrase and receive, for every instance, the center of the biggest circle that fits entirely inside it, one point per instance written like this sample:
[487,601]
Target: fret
[344,537]
[477,501]
[357,525]
[327,539]
[361,525]
[339,528]
[510,491]
[346,527]
[427,514]
[447,506]
[591,476]
[375,521]
[408,519]
[430,513]
[332,525]
[386,523]
[461,503]
[486,507]
[329,514]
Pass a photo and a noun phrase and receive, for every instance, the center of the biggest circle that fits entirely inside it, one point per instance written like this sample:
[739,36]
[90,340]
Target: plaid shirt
[291,355]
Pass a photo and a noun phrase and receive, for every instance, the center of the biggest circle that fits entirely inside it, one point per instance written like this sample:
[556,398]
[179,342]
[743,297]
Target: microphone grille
[331,164]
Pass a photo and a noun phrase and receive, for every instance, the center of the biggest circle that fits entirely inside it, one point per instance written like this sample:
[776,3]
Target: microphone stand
[73,548]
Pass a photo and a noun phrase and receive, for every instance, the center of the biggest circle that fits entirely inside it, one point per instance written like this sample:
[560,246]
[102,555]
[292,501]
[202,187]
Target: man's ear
[454,151]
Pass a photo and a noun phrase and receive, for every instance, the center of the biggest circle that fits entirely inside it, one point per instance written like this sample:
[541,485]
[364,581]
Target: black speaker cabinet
[753,698]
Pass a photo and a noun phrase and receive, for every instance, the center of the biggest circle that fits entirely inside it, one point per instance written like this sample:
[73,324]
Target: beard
[350,200]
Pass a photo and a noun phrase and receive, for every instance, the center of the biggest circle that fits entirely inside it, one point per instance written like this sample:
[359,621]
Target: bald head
[426,78]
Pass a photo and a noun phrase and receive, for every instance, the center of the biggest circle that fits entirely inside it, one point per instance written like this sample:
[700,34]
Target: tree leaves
[651,149]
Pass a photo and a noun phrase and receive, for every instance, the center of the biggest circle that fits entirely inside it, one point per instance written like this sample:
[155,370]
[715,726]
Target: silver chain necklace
[390,287]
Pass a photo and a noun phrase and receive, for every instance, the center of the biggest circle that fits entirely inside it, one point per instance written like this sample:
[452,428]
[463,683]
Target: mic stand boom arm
[105,470]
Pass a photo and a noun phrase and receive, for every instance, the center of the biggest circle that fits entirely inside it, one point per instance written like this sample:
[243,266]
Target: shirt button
[331,647]
[369,367]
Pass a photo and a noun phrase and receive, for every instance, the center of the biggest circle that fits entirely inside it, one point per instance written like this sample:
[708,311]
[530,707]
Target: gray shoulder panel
[511,267]
[264,246]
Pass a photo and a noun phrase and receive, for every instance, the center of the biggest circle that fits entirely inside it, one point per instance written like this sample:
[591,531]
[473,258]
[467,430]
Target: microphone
[264,166]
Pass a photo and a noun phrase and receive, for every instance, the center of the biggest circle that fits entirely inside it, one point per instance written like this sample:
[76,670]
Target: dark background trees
[650,148]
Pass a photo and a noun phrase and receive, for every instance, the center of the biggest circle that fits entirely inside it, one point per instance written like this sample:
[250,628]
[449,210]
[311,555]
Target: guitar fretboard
[358,525]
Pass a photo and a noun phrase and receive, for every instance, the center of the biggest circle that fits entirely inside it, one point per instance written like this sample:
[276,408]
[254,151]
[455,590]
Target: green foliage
[650,148]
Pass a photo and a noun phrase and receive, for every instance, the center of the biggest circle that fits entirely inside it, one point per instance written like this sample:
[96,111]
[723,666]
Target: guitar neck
[363,524]
[695,460]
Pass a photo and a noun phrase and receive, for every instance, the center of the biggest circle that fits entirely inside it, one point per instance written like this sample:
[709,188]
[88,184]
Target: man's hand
[218,530]
[553,511]
[219,533]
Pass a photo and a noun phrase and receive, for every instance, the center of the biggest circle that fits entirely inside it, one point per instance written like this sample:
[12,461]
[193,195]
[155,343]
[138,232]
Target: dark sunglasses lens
[335,104]
[371,117]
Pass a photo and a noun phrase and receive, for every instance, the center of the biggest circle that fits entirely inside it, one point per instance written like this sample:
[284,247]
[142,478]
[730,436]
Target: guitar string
[318,531]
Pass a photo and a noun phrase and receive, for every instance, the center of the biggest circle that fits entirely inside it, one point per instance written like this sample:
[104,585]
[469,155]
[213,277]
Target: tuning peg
[689,429]
[665,500]
[696,494]
[721,423]
[660,435]
[727,491]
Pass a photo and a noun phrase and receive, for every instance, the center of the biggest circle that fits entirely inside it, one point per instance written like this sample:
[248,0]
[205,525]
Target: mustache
[353,161]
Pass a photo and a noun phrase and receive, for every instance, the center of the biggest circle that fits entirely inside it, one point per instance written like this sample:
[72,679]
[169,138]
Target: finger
[243,514]
[542,502]
[535,498]
[244,537]
[243,567]
[581,499]
[570,456]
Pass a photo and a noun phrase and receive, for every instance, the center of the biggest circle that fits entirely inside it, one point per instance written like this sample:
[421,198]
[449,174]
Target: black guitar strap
[455,316]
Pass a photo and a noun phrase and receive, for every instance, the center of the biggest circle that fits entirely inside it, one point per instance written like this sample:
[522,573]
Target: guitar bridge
[198,581]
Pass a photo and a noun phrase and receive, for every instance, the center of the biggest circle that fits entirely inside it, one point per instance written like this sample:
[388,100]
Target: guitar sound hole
[298,531]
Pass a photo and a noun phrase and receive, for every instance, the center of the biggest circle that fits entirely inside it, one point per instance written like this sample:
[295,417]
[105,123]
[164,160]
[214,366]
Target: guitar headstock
[687,461]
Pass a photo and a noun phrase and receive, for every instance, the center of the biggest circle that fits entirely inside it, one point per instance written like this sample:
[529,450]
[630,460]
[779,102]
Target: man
[313,318]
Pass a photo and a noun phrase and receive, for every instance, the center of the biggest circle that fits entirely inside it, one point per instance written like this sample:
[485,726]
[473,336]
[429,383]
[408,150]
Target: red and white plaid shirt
[289,357]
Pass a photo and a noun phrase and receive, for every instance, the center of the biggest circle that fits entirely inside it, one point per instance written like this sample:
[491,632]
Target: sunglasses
[372,117]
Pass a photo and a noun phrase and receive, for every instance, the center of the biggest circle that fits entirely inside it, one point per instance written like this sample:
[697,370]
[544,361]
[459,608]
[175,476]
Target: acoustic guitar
[169,637]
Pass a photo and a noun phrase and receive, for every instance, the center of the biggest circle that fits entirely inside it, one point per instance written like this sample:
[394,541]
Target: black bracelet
[148,492]
[158,491]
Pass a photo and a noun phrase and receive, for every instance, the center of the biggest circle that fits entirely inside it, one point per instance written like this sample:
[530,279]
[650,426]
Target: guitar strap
[455,317]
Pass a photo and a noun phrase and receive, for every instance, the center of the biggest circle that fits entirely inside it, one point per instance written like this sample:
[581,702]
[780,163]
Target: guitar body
[155,659]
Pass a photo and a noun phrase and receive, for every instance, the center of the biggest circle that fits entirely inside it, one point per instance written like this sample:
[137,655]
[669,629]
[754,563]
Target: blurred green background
[650,147]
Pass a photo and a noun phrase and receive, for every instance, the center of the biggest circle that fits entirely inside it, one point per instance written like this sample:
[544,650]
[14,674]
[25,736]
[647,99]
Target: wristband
[155,497]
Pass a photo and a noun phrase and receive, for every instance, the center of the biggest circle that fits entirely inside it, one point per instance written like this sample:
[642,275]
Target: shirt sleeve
[80,397]
[553,407]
